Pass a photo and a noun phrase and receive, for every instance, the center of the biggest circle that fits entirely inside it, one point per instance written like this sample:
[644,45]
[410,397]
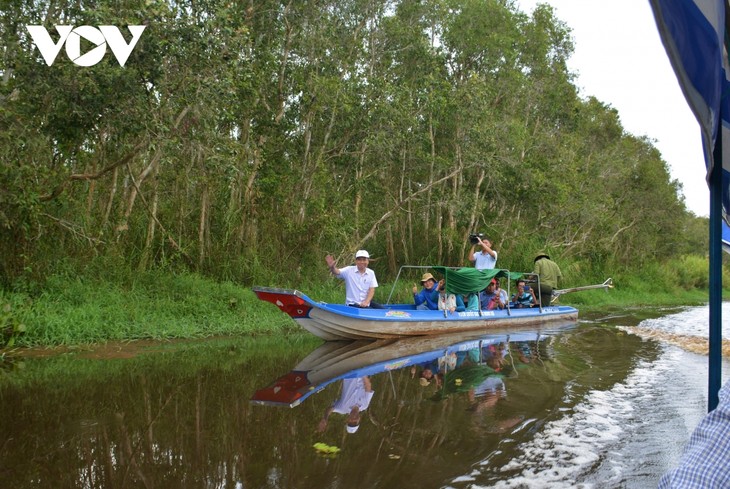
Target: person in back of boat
[486,257]
[360,281]
[550,274]
[354,399]
[489,297]
[524,297]
[428,297]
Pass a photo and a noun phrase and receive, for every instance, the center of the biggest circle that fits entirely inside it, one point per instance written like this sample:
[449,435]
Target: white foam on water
[624,437]
[569,449]
[692,321]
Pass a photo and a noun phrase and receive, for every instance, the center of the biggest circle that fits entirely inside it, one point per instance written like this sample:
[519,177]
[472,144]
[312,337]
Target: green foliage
[243,141]
[10,327]
[88,309]
[680,282]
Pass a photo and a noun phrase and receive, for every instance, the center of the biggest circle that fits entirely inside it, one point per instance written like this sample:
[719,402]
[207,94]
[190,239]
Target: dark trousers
[546,294]
[373,305]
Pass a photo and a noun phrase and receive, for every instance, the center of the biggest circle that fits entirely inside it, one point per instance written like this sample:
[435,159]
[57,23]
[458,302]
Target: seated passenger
[427,298]
[525,296]
[455,302]
[472,302]
[489,297]
[448,302]
[501,293]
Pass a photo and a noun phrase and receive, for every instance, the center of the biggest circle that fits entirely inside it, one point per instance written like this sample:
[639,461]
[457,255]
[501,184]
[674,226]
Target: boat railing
[533,279]
[416,267]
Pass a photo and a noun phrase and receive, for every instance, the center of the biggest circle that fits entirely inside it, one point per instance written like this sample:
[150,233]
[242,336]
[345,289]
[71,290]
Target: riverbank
[164,306]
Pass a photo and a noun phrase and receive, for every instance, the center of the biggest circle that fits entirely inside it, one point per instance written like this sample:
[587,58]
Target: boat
[339,360]
[333,322]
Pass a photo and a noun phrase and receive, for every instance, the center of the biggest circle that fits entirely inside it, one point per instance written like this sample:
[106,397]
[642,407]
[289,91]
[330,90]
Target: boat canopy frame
[490,274]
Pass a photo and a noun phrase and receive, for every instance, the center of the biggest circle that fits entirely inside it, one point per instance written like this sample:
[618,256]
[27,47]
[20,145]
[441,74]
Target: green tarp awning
[468,280]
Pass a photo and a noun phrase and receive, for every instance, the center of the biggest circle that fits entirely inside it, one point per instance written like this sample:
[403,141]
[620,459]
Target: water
[605,403]
[629,435]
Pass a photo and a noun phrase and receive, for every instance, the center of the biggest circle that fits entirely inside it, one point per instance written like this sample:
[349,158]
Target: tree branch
[170,239]
[120,162]
[398,205]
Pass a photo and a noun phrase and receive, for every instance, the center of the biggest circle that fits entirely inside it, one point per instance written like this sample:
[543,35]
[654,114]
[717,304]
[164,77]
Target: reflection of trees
[186,421]
[150,423]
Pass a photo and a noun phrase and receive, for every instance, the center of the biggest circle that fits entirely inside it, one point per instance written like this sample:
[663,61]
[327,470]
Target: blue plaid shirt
[705,463]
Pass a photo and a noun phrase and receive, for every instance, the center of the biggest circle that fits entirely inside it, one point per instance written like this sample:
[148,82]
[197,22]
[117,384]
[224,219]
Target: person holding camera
[486,257]
[525,296]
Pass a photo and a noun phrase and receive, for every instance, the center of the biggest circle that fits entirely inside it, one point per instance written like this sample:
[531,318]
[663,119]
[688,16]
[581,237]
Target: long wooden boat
[337,360]
[333,322]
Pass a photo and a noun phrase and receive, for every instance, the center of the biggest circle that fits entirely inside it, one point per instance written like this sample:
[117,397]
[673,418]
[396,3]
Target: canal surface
[607,402]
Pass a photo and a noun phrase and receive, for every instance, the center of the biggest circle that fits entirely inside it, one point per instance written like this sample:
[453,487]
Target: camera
[474,238]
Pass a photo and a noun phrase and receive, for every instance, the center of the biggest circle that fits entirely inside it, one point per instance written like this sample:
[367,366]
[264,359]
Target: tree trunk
[203,227]
[124,224]
[432,169]
[248,232]
[110,202]
[392,264]
[359,170]
[151,226]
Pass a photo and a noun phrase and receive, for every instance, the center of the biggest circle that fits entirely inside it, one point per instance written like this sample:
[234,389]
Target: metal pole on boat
[608,284]
[506,305]
[393,289]
[715,251]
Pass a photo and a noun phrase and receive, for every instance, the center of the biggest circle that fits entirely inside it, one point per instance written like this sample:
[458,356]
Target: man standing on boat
[549,273]
[360,281]
[486,257]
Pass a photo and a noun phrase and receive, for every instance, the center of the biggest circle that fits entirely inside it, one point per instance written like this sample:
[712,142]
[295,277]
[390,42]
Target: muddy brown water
[559,407]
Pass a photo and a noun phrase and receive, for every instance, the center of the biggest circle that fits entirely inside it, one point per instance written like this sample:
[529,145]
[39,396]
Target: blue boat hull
[334,322]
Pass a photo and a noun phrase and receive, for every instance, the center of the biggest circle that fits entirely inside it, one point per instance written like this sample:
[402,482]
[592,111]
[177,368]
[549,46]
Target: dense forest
[244,140]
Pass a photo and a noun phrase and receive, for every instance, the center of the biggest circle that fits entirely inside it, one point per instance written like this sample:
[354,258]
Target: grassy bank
[81,310]
[73,310]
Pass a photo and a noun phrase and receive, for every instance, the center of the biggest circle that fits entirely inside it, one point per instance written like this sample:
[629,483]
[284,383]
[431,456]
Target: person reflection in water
[486,394]
[354,399]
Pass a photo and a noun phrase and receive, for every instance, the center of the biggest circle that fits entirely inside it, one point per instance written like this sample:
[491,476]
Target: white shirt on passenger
[484,261]
[357,284]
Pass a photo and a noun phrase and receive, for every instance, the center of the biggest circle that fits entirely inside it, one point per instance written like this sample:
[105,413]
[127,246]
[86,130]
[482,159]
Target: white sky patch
[620,60]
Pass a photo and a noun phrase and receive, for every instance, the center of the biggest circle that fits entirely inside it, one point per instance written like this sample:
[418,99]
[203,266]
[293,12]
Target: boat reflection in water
[442,411]
[451,364]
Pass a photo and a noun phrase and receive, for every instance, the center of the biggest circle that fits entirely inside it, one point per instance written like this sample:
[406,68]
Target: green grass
[85,309]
